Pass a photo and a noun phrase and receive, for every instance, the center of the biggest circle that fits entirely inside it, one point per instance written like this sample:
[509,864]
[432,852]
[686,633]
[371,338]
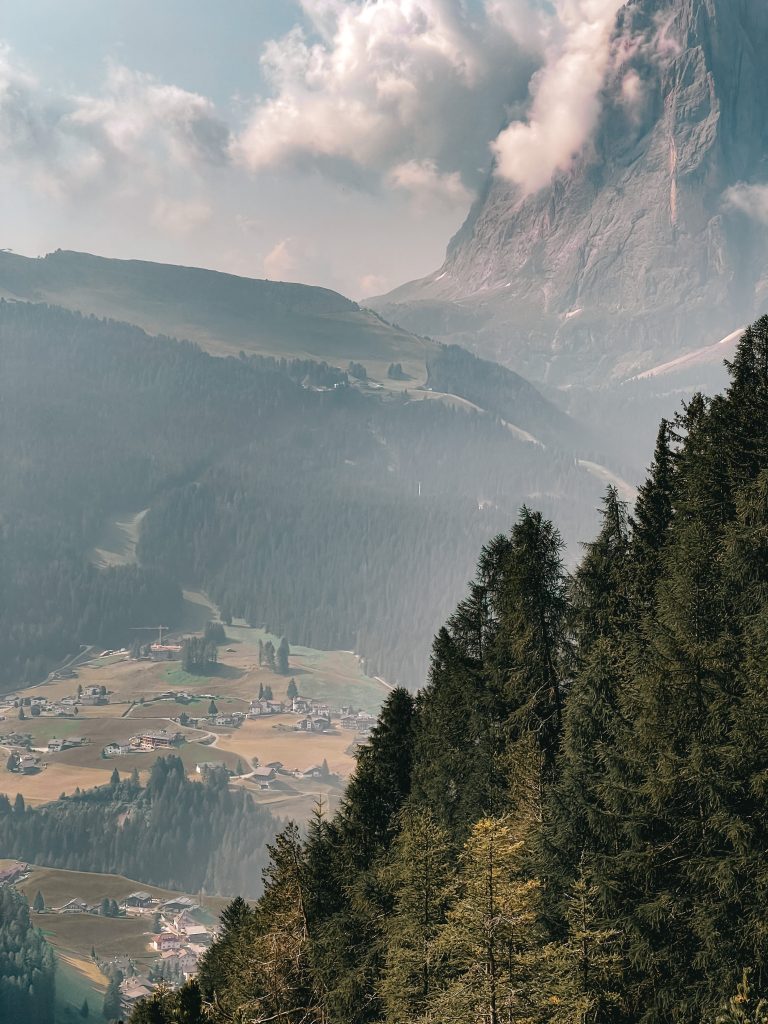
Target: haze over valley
[383,447]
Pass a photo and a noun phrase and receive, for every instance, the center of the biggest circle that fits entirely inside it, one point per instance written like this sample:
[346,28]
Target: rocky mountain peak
[654,242]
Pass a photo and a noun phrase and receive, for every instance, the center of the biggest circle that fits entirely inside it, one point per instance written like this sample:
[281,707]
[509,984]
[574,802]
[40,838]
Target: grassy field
[77,979]
[74,935]
[335,677]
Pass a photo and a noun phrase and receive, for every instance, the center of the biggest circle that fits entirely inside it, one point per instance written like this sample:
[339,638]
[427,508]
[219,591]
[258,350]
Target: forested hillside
[502,392]
[569,823]
[325,514]
[27,964]
[173,833]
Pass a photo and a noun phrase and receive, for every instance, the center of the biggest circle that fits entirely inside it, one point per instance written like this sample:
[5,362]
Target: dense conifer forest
[321,511]
[569,822]
[27,964]
[173,833]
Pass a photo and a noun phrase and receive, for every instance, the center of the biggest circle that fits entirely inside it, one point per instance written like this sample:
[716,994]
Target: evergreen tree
[421,874]
[381,781]
[39,903]
[269,655]
[112,1000]
[652,517]
[114,779]
[293,690]
[281,658]
[490,940]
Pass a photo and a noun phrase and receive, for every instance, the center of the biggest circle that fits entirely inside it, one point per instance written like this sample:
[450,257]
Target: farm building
[209,766]
[138,901]
[151,739]
[117,749]
[75,907]
[165,652]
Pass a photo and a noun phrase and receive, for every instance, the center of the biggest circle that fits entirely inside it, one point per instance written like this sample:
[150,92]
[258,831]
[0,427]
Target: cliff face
[638,253]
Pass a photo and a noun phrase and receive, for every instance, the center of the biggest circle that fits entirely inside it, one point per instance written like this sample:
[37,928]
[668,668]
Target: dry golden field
[135,687]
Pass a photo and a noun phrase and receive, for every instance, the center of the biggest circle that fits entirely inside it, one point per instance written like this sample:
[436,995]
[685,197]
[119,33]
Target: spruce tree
[421,873]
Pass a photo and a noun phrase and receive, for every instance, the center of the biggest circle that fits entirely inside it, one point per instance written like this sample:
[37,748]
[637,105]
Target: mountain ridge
[223,313]
[638,253]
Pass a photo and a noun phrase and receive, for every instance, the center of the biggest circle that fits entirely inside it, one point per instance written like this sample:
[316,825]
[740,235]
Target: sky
[335,142]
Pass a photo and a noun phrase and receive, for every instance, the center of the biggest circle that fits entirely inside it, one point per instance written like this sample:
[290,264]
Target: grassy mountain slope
[221,312]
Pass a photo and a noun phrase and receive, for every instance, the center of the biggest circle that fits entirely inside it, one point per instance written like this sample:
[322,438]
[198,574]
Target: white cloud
[384,83]
[135,112]
[424,182]
[69,143]
[749,199]
[565,95]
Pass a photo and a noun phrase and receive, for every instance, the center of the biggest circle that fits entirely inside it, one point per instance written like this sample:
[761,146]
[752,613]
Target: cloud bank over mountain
[391,113]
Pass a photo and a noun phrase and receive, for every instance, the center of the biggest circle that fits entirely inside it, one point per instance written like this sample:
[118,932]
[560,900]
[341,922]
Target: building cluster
[58,707]
[314,715]
[180,942]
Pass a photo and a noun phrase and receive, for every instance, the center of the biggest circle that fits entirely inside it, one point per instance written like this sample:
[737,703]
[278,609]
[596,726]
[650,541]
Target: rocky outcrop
[638,253]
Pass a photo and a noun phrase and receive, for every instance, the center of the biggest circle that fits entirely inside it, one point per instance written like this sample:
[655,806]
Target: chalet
[199,936]
[361,722]
[56,746]
[117,749]
[300,706]
[276,766]
[152,740]
[28,764]
[223,720]
[263,776]
[312,724]
[259,708]
[202,767]
[165,940]
[138,901]
[134,989]
[75,907]
[314,771]
[176,906]
[165,652]
[94,699]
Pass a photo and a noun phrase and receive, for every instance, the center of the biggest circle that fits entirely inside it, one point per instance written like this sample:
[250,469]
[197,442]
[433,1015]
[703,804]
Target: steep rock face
[638,253]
